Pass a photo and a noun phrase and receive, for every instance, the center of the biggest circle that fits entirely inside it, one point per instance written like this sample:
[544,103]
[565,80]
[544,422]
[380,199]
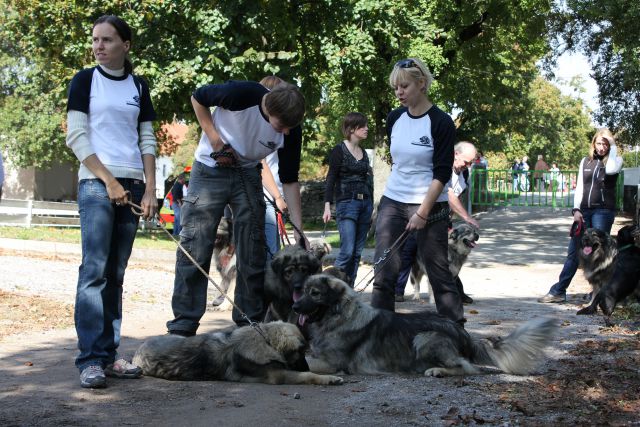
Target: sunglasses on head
[408,63]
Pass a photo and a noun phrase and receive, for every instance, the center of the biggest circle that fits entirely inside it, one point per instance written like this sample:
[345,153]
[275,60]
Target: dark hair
[351,122]
[124,31]
[286,103]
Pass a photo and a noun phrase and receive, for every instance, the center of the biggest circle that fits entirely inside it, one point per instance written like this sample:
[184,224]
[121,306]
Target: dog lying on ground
[241,354]
[351,336]
[224,255]
[597,252]
[462,239]
[625,278]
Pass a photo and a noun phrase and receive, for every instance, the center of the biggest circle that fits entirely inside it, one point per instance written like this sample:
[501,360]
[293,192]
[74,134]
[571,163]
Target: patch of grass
[145,239]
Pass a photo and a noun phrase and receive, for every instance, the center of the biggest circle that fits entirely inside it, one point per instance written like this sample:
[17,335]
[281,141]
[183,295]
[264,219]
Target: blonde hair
[271,81]
[605,134]
[414,70]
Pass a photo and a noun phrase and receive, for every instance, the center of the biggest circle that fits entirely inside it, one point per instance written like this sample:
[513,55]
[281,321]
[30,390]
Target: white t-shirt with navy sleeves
[115,105]
[421,150]
[241,123]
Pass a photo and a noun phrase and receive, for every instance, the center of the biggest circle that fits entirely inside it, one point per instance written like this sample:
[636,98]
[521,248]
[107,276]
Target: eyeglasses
[408,63]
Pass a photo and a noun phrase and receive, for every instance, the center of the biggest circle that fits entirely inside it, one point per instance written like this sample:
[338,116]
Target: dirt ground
[591,376]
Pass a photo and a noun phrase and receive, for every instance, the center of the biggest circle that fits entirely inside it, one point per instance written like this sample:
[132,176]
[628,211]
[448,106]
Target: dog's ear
[454,234]
[277,263]
[303,244]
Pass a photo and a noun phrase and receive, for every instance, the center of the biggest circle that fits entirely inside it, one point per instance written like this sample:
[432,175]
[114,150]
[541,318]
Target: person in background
[421,140]
[539,172]
[464,151]
[1,175]
[350,182]
[594,203]
[554,174]
[524,174]
[515,173]
[272,186]
[177,195]
[109,117]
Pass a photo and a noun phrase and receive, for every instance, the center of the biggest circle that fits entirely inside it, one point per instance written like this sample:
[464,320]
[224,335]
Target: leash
[397,244]
[138,211]
[285,218]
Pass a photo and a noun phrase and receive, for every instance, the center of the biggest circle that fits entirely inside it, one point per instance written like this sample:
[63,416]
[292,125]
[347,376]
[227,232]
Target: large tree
[482,54]
[607,32]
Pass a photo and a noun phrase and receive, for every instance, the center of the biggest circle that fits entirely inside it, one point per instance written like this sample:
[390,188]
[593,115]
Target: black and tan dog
[272,355]
[624,281]
[284,279]
[597,252]
[349,335]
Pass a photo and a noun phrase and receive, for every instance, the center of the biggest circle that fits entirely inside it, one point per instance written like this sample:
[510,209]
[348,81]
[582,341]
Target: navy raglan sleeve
[147,113]
[335,162]
[231,95]
[80,90]
[444,138]
[289,156]
[391,119]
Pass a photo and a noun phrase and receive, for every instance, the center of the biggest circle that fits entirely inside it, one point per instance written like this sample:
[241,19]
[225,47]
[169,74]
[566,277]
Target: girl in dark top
[350,179]
[594,203]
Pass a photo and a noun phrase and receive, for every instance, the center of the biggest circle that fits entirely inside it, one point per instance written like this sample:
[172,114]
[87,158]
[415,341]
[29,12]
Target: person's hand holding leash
[116,193]
[149,205]
[416,222]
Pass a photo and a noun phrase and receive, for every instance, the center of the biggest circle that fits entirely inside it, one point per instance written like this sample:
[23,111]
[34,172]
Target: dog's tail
[521,351]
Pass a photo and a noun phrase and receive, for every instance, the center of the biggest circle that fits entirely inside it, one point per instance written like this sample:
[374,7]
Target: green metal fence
[499,187]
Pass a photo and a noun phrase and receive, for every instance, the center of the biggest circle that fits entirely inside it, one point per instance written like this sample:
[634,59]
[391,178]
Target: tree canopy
[483,55]
[606,31]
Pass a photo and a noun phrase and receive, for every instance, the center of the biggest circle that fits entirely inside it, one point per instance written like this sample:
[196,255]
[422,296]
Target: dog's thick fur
[224,255]
[597,254]
[349,335]
[284,279]
[625,278]
[462,239]
[240,354]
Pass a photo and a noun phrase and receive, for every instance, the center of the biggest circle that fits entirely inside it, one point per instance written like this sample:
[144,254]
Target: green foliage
[482,54]
[607,32]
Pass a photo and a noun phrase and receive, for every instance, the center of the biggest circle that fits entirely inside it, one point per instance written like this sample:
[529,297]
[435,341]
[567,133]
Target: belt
[360,196]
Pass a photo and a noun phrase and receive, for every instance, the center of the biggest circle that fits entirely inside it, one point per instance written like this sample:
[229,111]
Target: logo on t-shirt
[271,145]
[136,101]
[425,141]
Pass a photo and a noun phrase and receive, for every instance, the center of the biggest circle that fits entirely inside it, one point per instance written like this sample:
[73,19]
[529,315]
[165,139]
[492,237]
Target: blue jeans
[210,190]
[107,233]
[602,219]
[176,218]
[433,250]
[354,220]
[271,231]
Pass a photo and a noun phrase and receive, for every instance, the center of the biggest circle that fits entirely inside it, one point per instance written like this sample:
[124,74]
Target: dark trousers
[210,190]
[432,242]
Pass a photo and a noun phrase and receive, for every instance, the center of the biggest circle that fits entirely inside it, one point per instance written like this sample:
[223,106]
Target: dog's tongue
[302,319]
[587,250]
[296,295]
[472,244]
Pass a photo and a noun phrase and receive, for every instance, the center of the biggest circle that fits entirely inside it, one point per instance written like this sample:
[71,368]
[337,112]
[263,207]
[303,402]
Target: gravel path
[518,257]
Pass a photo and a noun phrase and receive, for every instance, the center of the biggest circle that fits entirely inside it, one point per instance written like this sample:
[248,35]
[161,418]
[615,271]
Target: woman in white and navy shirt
[109,115]
[415,198]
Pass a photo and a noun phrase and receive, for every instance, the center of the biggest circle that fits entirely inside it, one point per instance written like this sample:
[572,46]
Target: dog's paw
[435,372]
[589,310]
[333,380]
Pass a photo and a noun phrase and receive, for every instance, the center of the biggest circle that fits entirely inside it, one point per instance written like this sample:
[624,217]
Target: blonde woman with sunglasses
[421,138]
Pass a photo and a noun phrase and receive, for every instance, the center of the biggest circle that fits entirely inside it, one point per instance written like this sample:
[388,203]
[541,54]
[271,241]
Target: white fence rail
[34,213]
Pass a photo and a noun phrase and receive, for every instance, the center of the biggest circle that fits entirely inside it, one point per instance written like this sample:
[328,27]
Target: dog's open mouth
[469,243]
[296,295]
[309,317]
